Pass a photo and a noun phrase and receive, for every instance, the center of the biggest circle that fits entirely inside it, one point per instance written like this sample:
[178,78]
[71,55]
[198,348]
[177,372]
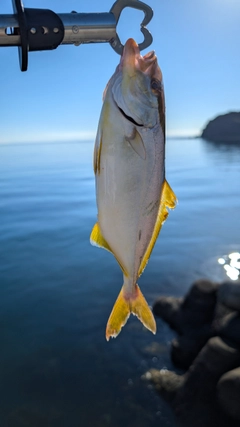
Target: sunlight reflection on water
[231,264]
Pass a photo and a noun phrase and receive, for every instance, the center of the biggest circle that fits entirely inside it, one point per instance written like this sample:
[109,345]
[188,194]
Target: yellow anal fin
[97,239]
[123,307]
[168,196]
[168,200]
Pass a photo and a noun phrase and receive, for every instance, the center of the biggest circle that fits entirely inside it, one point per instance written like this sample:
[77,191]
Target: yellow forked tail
[123,307]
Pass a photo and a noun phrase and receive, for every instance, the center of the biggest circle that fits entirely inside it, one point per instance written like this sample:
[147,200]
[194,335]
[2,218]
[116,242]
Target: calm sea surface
[57,291]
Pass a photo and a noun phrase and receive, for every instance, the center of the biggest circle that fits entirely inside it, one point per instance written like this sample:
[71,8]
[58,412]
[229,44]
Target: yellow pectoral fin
[168,200]
[137,144]
[123,307]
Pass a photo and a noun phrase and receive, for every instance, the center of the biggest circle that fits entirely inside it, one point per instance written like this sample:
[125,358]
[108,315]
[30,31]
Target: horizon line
[77,140]
[78,137]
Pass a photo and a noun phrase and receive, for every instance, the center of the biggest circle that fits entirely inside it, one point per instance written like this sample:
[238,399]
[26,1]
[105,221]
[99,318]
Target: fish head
[137,86]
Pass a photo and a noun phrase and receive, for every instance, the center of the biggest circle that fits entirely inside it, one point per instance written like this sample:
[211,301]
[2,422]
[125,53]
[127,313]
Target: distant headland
[224,128]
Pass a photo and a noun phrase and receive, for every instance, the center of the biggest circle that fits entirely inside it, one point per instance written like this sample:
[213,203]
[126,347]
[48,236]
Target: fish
[132,193]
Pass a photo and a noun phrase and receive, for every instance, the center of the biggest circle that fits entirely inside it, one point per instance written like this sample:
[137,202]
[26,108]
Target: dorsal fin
[168,200]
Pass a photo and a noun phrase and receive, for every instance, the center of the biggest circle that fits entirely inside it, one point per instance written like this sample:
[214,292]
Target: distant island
[224,128]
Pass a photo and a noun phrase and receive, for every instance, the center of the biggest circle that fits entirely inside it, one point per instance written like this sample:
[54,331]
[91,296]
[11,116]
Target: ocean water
[57,291]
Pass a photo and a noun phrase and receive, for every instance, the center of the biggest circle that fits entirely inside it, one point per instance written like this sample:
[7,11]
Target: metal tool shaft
[43,29]
[88,28]
[8,22]
[78,28]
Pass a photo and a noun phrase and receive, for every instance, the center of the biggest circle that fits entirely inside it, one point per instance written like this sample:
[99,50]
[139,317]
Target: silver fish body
[129,163]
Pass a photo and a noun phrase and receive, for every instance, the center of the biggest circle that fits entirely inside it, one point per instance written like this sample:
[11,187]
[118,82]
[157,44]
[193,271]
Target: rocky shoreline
[207,322]
[223,128]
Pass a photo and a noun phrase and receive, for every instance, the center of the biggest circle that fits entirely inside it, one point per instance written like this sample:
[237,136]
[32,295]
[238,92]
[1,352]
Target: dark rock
[228,392]
[205,312]
[221,311]
[199,304]
[168,309]
[224,128]
[196,310]
[215,359]
[229,295]
[167,383]
[229,328]
[199,382]
[202,414]
[186,347]
[193,395]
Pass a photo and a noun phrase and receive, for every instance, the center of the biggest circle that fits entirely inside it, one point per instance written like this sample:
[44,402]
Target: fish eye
[156,85]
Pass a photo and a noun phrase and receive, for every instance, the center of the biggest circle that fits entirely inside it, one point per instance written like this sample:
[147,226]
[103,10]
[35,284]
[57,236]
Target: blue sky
[60,96]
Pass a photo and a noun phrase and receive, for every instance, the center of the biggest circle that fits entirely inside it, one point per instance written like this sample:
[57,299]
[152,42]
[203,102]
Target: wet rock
[209,345]
[229,295]
[220,311]
[186,347]
[167,383]
[229,328]
[215,359]
[228,392]
[195,310]
[199,304]
[168,309]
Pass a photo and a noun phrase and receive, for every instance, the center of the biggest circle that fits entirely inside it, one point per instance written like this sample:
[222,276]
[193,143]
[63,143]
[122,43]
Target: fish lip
[131,48]
[149,55]
[132,59]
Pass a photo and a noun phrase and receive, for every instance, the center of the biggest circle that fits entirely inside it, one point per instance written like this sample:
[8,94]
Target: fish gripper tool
[42,29]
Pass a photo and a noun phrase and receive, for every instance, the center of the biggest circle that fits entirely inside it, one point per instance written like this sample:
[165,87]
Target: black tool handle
[40,29]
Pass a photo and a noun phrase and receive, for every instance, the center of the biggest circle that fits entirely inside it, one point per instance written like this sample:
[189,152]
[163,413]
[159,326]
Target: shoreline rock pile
[207,321]
[223,128]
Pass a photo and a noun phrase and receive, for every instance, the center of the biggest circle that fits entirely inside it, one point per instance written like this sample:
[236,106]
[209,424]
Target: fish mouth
[132,60]
[130,56]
